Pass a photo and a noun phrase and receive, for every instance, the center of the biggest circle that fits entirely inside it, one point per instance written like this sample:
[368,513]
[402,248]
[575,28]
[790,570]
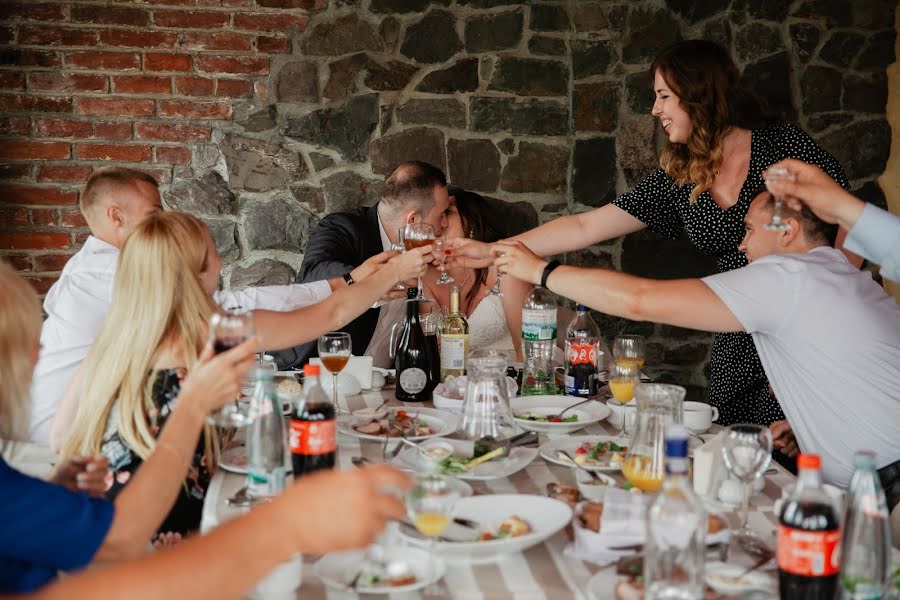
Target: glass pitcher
[658,405]
[486,410]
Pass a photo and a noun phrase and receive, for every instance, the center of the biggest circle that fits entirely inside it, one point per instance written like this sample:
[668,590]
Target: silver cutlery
[593,475]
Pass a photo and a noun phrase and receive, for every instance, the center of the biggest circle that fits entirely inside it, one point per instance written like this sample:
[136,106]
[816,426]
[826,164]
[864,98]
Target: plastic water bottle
[538,341]
[266,439]
[866,539]
[676,529]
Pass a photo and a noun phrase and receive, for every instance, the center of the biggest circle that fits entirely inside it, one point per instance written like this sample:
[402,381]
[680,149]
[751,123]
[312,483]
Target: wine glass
[417,235]
[430,507]
[747,451]
[334,352]
[439,247]
[778,174]
[622,379]
[629,349]
[228,329]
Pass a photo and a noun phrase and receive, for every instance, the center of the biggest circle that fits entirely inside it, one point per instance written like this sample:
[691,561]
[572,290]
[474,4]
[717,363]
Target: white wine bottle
[454,339]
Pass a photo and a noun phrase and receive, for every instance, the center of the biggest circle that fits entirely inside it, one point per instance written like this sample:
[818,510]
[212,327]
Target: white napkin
[709,466]
[451,393]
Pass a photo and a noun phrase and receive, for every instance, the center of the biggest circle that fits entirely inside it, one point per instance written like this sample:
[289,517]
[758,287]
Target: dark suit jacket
[338,244]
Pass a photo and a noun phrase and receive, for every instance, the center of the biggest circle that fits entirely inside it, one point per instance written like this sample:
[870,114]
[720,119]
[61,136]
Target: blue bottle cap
[581,308]
[676,441]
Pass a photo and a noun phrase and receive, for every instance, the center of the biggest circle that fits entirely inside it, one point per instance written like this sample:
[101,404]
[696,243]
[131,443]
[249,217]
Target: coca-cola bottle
[582,354]
[415,380]
[313,428]
[808,546]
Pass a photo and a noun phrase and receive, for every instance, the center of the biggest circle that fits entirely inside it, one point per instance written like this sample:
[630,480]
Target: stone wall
[263,115]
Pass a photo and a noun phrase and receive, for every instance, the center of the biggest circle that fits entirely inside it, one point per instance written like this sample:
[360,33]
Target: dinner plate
[338,570]
[592,412]
[546,517]
[518,459]
[720,577]
[234,460]
[443,422]
[551,448]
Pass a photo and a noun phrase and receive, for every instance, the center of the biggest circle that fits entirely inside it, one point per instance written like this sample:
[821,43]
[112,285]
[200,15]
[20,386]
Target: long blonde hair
[20,330]
[157,299]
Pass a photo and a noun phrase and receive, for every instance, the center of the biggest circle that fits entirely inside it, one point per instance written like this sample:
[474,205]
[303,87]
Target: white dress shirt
[77,304]
[391,312]
[876,236]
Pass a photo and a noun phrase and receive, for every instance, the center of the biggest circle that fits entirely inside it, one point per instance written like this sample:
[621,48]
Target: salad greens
[530,416]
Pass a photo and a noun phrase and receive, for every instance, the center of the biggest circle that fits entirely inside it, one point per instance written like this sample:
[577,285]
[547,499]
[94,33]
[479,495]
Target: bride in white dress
[495,322]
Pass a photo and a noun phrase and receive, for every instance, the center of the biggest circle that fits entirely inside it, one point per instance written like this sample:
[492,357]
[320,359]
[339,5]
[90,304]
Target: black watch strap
[547,270]
[348,278]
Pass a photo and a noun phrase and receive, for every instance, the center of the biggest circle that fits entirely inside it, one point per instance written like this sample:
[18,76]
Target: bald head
[115,199]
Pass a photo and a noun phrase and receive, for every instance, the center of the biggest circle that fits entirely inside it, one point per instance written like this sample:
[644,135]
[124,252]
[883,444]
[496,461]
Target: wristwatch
[348,278]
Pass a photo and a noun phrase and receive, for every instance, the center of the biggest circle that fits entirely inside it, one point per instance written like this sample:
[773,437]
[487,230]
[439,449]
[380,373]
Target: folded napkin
[451,393]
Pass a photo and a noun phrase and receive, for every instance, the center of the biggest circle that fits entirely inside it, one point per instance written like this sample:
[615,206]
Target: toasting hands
[515,258]
[815,188]
[217,379]
[468,253]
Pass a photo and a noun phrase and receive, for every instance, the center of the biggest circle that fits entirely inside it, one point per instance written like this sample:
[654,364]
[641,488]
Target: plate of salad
[460,460]
[539,413]
[595,452]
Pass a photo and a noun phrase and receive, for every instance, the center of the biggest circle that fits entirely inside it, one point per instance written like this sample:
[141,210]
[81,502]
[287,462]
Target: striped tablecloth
[543,571]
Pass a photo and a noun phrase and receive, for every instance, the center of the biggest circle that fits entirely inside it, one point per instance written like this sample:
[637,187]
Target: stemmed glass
[228,329]
[430,507]
[495,289]
[416,235]
[778,174]
[445,276]
[334,352]
[622,379]
[747,451]
[629,350]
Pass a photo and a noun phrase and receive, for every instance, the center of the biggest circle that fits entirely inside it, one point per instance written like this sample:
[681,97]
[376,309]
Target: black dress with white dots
[737,383]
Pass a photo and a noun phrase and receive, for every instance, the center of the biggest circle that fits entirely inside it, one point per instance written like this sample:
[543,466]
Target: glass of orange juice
[622,379]
[629,349]
[430,507]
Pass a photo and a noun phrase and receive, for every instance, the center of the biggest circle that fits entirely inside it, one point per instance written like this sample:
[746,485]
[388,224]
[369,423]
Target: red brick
[58,82]
[82,237]
[305,4]
[172,133]
[64,173]
[14,125]
[187,19]
[29,58]
[27,150]
[71,218]
[194,86]
[233,88]
[112,130]
[44,217]
[217,41]
[269,21]
[40,35]
[126,153]
[35,104]
[170,2]
[41,285]
[63,128]
[10,172]
[155,61]
[142,84]
[31,12]
[194,110]
[240,65]
[52,262]
[110,15]
[137,39]
[12,80]
[175,156]
[115,61]
[13,217]
[46,196]
[273,45]
[19,262]
[117,107]
[33,240]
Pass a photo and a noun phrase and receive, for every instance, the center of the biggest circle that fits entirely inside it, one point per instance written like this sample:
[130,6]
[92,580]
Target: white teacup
[699,416]
[621,414]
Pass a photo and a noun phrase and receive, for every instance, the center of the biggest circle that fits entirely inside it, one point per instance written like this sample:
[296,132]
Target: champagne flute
[778,174]
[622,379]
[228,329]
[747,451]
[430,507]
[334,352]
[417,235]
[629,349]
[445,278]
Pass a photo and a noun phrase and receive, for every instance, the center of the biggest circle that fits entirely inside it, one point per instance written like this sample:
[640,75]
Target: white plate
[234,460]
[545,515]
[717,574]
[443,422]
[518,459]
[592,412]
[550,449]
[338,570]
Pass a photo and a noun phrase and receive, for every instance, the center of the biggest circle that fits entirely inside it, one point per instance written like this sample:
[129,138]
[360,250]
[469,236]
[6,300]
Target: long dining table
[545,570]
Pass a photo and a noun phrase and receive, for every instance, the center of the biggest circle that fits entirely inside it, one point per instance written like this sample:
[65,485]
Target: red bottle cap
[809,461]
[310,369]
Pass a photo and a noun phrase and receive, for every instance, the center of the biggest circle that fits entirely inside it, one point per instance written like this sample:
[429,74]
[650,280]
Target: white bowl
[370,412]
[337,570]
[591,490]
[592,412]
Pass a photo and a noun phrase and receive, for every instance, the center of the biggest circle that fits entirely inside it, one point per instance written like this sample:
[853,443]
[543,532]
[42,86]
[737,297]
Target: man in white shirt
[114,200]
[828,336]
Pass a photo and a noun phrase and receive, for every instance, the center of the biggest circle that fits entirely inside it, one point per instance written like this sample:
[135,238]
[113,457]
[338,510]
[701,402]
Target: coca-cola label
[413,380]
[582,353]
[313,437]
[808,553]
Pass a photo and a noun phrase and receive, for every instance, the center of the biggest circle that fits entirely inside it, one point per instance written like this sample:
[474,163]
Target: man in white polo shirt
[828,336]
[113,201]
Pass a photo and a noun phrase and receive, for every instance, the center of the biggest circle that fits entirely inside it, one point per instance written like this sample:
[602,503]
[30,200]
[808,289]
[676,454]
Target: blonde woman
[153,334]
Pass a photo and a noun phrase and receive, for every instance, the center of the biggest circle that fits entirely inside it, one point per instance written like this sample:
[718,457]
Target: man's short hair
[814,228]
[411,186]
[110,180]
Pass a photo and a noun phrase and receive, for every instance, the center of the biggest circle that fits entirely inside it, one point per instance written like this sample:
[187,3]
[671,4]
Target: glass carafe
[658,405]
[486,409]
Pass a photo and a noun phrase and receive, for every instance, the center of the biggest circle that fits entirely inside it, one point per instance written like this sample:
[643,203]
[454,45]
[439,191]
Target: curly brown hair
[716,97]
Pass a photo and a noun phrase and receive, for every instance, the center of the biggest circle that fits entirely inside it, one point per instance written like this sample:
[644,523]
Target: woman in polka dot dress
[720,142]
